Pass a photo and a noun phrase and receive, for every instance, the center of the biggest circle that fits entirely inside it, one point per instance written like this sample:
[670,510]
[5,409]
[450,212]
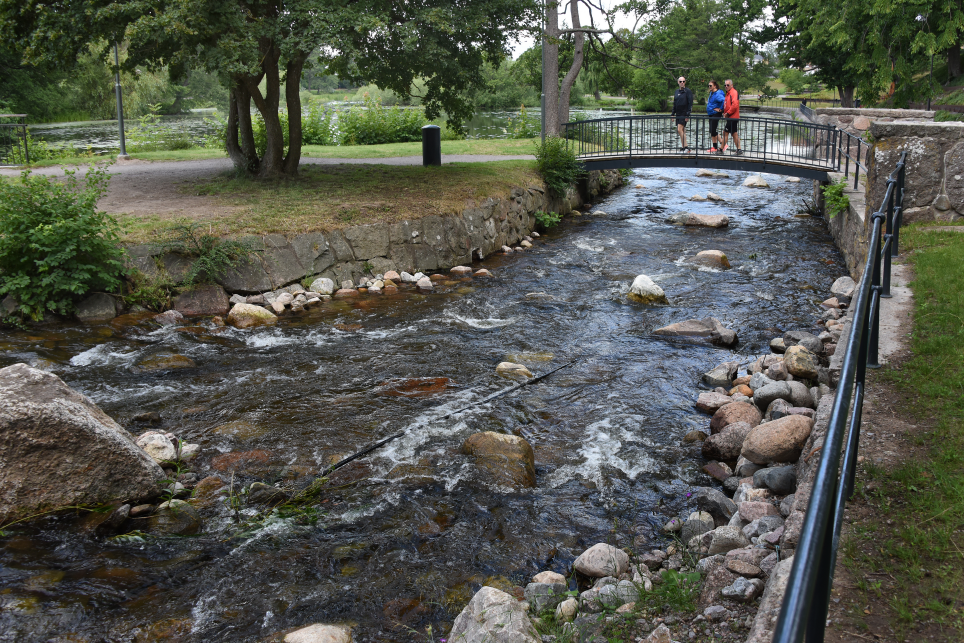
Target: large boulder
[602,560]
[248,315]
[711,401]
[728,443]
[202,300]
[645,291]
[711,259]
[735,412]
[801,363]
[702,220]
[764,395]
[508,459]
[492,616]
[99,307]
[319,633]
[59,449]
[708,329]
[843,289]
[778,440]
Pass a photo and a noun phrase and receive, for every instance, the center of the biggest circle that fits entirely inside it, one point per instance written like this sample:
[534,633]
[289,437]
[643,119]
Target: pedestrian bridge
[774,145]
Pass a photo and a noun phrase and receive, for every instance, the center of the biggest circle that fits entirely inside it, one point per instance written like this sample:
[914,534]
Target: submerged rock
[58,448]
[703,220]
[249,315]
[99,307]
[175,518]
[507,458]
[514,370]
[645,291]
[708,329]
[755,181]
[712,259]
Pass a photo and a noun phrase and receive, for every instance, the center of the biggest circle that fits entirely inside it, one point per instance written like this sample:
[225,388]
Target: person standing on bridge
[682,106]
[714,109]
[731,111]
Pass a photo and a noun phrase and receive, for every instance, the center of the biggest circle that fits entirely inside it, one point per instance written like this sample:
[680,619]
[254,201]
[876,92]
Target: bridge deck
[816,169]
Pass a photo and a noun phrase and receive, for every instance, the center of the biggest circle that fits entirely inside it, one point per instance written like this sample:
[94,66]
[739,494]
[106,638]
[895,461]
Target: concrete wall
[430,243]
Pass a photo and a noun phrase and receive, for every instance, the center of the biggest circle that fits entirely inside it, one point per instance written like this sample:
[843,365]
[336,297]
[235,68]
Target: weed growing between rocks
[834,199]
[212,255]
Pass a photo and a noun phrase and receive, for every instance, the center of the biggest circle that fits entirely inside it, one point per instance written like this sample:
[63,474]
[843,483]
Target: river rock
[712,259]
[645,291]
[762,397]
[202,300]
[755,181]
[711,174]
[566,610]
[843,289]
[713,196]
[777,409]
[697,197]
[735,412]
[512,369]
[761,526]
[801,363]
[778,370]
[742,568]
[319,633]
[249,315]
[800,395]
[777,441]
[802,338]
[726,538]
[708,329]
[759,380]
[549,577]
[721,375]
[743,590]
[700,220]
[323,286]
[777,345]
[697,524]
[158,446]
[51,434]
[543,596]
[728,443]
[260,493]
[425,283]
[602,560]
[99,307]
[717,578]
[711,401]
[492,616]
[507,458]
[715,503]
[175,518]
[780,480]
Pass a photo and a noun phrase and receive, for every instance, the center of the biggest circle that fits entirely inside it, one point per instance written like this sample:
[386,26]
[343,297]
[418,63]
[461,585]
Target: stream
[404,537]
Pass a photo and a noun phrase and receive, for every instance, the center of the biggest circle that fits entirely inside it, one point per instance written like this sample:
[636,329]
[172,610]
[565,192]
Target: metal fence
[804,610]
[13,140]
[762,139]
[854,149]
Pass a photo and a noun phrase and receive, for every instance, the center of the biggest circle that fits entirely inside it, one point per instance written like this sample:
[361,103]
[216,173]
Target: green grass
[327,197]
[915,532]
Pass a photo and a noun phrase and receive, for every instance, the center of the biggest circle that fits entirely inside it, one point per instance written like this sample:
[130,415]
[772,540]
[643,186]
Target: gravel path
[157,187]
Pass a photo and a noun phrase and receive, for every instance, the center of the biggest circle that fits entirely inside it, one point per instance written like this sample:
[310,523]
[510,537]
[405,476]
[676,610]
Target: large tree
[259,48]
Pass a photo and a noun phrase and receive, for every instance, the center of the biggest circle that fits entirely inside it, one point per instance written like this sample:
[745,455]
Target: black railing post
[875,288]
[888,238]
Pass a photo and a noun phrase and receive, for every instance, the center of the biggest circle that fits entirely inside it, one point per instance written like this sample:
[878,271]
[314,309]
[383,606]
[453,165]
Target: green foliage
[317,127]
[374,124]
[151,135]
[794,79]
[39,150]
[834,199]
[212,255]
[943,116]
[767,92]
[504,89]
[55,246]
[547,220]
[558,165]
[677,590]
[523,125]
[153,294]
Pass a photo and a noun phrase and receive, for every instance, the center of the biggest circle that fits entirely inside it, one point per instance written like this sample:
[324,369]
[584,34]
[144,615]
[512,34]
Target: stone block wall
[857,121]
[430,243]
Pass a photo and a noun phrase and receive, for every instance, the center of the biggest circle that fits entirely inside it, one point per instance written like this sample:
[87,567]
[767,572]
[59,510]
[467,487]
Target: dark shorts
[681,120]
[714,124]
[731,124]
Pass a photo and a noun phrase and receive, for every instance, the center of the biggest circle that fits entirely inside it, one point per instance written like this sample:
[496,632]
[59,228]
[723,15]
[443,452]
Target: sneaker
[739,152]
[712,150]
[719,151]
[726,147]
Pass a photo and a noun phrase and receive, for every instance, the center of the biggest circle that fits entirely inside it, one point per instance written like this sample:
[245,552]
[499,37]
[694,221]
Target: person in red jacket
[731,112]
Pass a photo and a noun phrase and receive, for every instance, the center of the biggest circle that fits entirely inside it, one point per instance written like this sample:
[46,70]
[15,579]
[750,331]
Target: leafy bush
[54,244]
[212,255]
[149,293]
[151,135]
[375,124]
[558,165]
[834,199]
[547,220]
[40,150]
[317,127]
[523,125]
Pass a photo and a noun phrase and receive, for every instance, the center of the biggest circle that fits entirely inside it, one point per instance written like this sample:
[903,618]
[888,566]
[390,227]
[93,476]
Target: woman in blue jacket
[714,109]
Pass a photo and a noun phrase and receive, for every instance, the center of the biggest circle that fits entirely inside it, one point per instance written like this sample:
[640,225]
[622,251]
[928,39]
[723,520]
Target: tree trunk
[293,97]
[579,41]
[272,163]
[954,61]
[239,141]
[846,96]
[550,69]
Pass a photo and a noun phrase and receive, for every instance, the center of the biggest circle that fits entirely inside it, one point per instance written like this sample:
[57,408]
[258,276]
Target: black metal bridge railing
[804,610]
[13,140]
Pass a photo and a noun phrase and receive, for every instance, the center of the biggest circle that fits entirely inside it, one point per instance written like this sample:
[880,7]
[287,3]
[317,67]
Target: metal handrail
[13,135]
[779,140]
[861,144]
[807,598]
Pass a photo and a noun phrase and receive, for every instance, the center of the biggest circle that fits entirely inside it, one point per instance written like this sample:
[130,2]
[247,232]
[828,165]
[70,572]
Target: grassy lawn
[487,146]
[327,197]
[914,534]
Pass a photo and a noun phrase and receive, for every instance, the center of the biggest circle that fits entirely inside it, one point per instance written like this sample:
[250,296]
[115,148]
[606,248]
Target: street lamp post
[120,105]
[545,16]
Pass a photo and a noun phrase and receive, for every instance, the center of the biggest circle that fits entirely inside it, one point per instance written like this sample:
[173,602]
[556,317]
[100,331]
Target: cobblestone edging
[430,243]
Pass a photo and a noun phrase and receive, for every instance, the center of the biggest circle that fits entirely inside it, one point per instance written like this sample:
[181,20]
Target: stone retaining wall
[431,243]
[857,121]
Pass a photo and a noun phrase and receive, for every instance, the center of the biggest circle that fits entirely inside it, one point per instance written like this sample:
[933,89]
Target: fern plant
[212,255]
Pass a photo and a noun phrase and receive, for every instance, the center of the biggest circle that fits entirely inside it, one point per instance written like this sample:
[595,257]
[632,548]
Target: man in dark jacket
[682,106]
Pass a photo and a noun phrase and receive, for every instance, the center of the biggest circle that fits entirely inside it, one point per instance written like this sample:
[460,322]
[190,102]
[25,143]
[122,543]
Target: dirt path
[162,188]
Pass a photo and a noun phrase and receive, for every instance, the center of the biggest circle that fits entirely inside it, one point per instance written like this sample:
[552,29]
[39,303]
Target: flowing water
[407,535]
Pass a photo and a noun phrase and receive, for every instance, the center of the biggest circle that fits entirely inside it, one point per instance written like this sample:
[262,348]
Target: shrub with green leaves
[547,220]
[834,199]
[152,135]
[375,124]
[557,164]
[55,246]
[212,255]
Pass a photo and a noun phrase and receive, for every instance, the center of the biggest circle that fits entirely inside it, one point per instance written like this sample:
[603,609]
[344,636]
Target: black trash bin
[431,145]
